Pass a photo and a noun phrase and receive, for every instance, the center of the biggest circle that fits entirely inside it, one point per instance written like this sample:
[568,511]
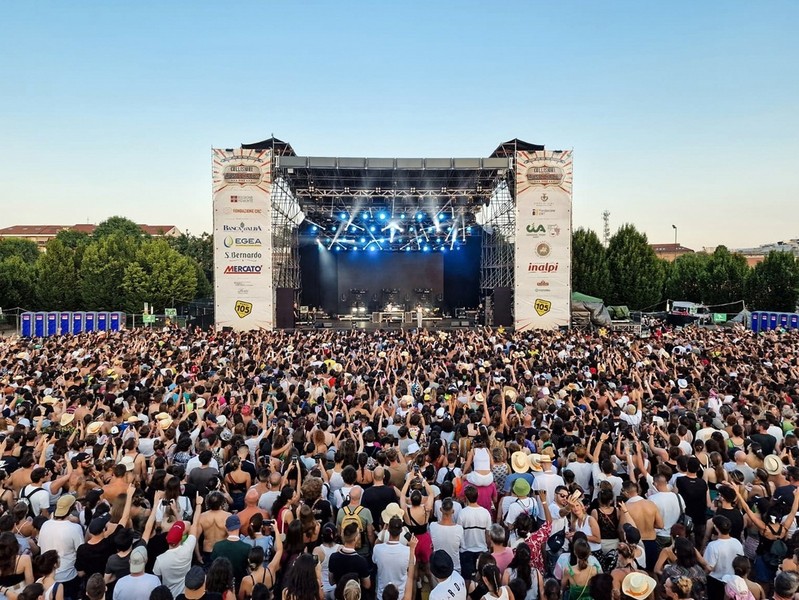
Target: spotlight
[443,248]
[352,229]
[442,216]
[381,216]
[362,309]
[365,216]
[333,228]
[402,216]
[343,216]
[338,248]
[363,240]
[419,216]
[468,230]
[426,248]
[372,248]
[407,248]
[372,228]
[314,229]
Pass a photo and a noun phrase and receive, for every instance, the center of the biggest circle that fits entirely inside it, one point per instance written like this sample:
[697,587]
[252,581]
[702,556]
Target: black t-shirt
[91,558]
[9,463]
[767,441]
[322,511]
[205,596]
[342,563]
[694,496]
[376,498]
[736,518]
[155,547]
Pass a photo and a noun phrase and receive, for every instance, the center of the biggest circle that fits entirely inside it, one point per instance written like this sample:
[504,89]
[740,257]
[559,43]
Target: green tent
[578,297]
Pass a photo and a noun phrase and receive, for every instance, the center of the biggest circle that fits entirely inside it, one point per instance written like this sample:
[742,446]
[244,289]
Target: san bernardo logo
[241,242]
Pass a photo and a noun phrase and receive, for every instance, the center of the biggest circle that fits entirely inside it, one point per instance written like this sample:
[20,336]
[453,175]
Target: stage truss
[286,218]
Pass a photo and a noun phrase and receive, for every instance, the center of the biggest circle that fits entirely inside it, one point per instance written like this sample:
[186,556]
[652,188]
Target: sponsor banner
[242,187]
[542,295]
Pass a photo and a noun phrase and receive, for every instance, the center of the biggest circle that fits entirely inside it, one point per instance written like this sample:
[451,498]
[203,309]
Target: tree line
[628,272]
[117,267]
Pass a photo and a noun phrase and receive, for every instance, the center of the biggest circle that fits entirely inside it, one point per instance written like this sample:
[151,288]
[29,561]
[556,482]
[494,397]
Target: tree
[119,225]
[590,273]
[160,275]
[102,270]
[774,283]
[636,275]
[17,283]
[73,238]
[27,250]
[57,285]
[686,277]
[725,277]
[199,248]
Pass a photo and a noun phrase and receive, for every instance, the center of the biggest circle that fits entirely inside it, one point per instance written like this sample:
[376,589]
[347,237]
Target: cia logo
[543,249]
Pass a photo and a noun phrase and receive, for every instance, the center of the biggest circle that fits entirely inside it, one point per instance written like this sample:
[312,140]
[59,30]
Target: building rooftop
[52,230]
[670,248]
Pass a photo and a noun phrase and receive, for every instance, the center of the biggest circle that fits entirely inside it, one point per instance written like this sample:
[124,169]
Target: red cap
[175,534]
[246,410]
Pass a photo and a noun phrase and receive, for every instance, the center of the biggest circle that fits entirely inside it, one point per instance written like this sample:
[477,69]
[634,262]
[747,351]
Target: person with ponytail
[323,554]
[577,578]
[493,581]
[259,571]
[520,570]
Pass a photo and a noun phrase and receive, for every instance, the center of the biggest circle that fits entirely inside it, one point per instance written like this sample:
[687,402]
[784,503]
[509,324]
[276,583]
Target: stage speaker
[284,308]
[502,306]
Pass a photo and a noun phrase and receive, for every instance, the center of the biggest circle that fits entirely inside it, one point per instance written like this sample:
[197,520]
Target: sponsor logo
[542,307]
[537,212]
[241,227]
[544,175]
[241,242]
[554,230]
[241,199]
[547,267]
[235,255]
[242,174]
[541,230]
[543,283]
[533,228]
[544,197]
[243,269]
[243,308]
[543,249]
[246,211]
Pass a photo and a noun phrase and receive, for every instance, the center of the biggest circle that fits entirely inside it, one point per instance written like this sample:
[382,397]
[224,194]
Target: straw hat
[94,428]
[161,416]
[772,464]
[638,585]
[519,462]
[392,510]
[66,419]
[200,403]
[535,462]
[49,400]
[165,423]
[510,392]
[133,419]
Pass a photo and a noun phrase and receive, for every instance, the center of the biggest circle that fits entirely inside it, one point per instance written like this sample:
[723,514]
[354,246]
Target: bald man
[367,522]
[250,509]
[380,495]
[739,464]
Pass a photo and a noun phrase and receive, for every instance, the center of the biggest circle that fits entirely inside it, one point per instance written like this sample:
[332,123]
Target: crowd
[185,464]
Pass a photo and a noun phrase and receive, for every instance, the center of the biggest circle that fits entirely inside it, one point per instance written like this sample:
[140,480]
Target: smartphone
[408,536]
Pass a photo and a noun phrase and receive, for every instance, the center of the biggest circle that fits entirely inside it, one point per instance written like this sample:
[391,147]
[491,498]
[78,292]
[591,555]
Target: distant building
[758,254]
[41,234]
[670,252]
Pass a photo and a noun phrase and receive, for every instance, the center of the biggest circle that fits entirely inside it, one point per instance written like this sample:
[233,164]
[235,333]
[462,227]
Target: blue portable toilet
[88,321]
[754,321]
[784,318]
[793,322]
[52,324]
[26,324]
[64,323]
[77,322]
[114,321]
[764,321]
[773,319]
[102,321]
[39,324]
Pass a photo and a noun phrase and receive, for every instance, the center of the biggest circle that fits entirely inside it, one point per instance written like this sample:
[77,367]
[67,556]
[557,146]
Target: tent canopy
[578,297]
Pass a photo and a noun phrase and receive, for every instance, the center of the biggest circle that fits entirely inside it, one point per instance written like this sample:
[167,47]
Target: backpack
[353,516]
[27,500]
[776,553]
[531,510]
[450,474]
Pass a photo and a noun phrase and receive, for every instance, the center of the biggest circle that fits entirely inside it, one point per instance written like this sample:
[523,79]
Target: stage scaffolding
[286,217]
[498,219]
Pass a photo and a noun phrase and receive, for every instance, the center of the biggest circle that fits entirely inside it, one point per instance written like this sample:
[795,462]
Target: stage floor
[338,324]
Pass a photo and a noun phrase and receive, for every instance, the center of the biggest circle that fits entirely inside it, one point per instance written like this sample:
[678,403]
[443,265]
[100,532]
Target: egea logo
[242,242]
[543,250]
[546,267]
[243,269]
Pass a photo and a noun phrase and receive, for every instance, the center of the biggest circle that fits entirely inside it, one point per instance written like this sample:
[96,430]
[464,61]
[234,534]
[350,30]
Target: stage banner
[542,298]
[242,187]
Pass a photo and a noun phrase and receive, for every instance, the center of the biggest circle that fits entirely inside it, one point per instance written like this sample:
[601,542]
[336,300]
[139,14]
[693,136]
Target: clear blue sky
[678,112]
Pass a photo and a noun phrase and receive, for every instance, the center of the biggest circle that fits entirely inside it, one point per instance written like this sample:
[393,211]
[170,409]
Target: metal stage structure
[388,205]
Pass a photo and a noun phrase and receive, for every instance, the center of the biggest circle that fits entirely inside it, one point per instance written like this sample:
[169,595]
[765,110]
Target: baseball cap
[138,559]
[195,579]
[233,523]
[98,524]
[441,565]
[64,505]
[82,456]
[175,533]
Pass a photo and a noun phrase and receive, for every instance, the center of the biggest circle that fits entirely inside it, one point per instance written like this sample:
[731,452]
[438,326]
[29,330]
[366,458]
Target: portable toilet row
[766,321]
[45,324]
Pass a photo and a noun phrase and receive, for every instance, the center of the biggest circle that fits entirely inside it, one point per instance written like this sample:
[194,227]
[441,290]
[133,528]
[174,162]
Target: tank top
[415,527]
[503,595]
[585,527]
[328,552]
[608,524]
[482,462]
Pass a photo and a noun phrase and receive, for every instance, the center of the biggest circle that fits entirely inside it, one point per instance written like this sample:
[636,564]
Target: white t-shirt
[64,537]
[456,510]
[475,521]
[519,506]
[39,500]
[719,555]
[391,560]
[546,481]
[443,471]
[599,477]
[135,588]
[582,474]
[669,508]
[147,447]
[194,463]
[448,538]
[452,588]
[266,500]
[172,566]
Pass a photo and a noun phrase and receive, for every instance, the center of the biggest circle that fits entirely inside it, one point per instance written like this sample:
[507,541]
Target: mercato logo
[243,270]
[547,267]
